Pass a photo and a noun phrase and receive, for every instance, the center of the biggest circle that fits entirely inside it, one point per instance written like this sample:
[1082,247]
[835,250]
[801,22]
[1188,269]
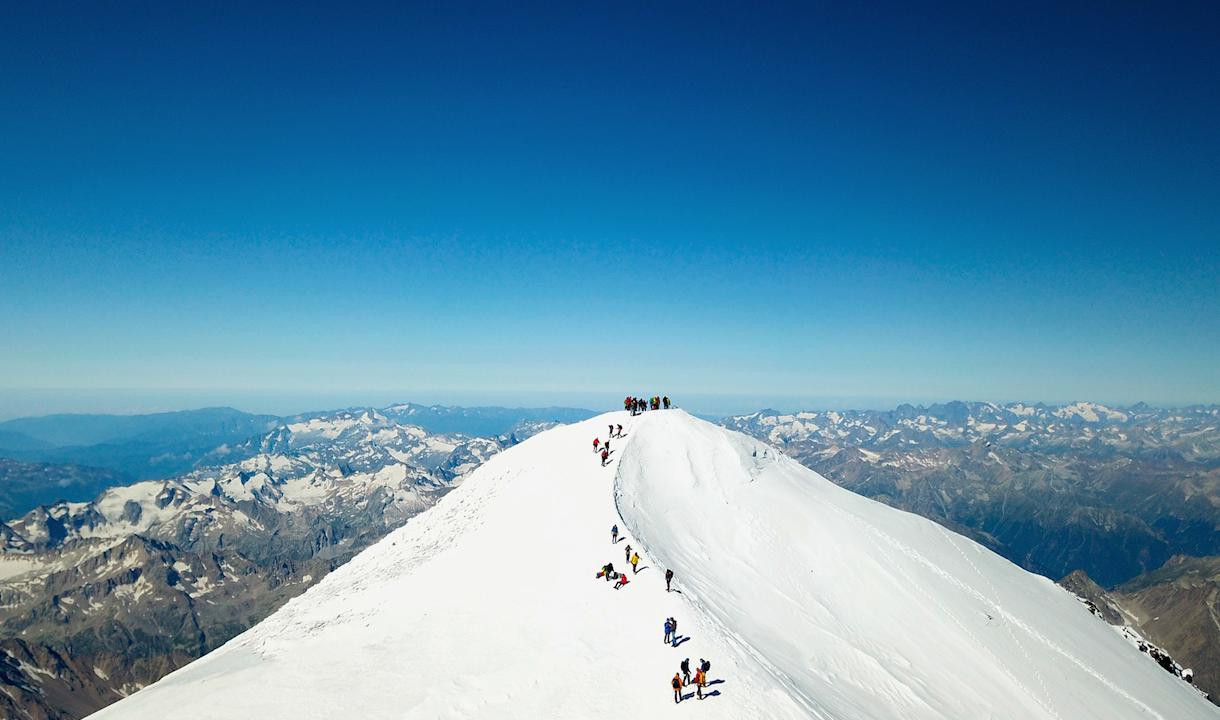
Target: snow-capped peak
[1090,412]
[810,601]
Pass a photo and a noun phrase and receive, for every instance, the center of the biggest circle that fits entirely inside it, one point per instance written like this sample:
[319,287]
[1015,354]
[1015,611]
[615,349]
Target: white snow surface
[810,601]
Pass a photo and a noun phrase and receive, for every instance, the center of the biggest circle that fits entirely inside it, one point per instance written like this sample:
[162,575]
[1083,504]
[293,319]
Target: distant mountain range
[141,446]
[485,421]
[1190,434]
[106,450]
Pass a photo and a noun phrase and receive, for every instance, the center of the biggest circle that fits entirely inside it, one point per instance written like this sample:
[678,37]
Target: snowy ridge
[810,601]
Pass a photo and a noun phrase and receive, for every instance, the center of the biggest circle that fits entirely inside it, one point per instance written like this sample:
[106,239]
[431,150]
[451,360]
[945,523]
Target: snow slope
[810,602]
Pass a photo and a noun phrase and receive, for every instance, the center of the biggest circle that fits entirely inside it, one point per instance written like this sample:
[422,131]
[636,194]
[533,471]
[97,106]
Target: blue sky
[791,203]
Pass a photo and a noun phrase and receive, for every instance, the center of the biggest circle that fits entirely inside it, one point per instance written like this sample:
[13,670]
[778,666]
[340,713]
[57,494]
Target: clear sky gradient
[795,202]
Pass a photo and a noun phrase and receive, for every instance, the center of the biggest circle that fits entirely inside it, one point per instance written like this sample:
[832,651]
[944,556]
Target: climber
[622,580]
[605,457]
[673,625]
[685,671]
[627,558]
[669,576]
[700,681]
[669,631]
[614,534]
[677,686]
[635,563]
[596,443]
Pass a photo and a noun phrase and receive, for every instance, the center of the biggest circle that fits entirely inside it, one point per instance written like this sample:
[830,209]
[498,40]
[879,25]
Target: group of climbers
[607,571]
[616,431]
[603,448]
[672,638]
[631,558]
[637,405]
[682,678]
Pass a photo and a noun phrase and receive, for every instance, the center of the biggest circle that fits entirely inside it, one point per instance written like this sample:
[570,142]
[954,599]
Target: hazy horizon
[34,403]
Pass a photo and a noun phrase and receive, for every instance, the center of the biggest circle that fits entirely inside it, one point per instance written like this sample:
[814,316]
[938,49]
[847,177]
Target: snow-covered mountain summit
[810,601]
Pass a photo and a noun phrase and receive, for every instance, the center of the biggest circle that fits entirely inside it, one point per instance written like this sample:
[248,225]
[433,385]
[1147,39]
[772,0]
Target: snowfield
[810,601]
